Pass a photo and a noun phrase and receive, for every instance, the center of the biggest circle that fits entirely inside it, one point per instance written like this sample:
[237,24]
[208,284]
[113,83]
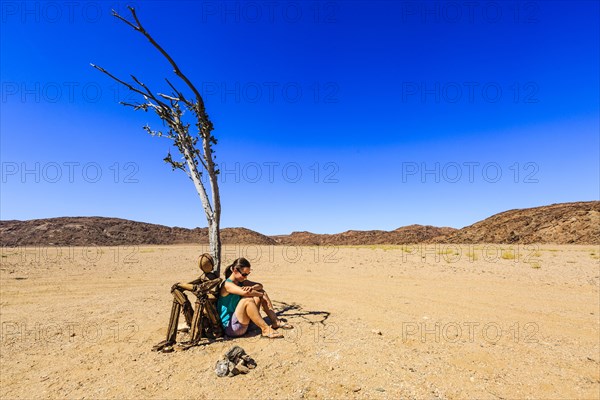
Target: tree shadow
[287,310]
[296,310]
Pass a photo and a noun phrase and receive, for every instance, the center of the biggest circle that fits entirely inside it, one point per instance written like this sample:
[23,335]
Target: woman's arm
[254,285]
[245,291]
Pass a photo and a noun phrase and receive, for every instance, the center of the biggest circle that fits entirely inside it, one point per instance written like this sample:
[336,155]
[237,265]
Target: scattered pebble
[377,332]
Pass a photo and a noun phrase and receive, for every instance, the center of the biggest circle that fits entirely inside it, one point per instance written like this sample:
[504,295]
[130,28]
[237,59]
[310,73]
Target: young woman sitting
[240,301]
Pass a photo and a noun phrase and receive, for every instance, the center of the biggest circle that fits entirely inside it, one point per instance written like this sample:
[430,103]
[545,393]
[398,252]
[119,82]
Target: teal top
[226,306]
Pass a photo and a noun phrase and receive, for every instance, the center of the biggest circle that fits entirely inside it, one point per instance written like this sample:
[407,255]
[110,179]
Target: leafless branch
[133,89]
[176,70]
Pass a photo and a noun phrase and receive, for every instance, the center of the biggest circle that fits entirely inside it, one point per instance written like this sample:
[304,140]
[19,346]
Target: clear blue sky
[330,115]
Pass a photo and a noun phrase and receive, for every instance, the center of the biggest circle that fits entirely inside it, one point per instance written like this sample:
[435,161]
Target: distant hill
[564,223]
[403,235]
[100,231]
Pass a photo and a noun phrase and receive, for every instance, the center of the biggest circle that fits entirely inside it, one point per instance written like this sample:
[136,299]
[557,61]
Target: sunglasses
[243,274]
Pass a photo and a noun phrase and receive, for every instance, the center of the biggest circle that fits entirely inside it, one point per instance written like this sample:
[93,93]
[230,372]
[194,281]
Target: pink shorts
[235,328]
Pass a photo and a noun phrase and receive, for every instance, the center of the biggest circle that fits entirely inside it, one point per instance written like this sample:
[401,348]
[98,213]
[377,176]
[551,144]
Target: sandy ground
[447,322]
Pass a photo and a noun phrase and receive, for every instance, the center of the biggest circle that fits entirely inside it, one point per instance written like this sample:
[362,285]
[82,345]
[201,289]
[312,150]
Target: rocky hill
[99,231]
[403,235]
[564,223]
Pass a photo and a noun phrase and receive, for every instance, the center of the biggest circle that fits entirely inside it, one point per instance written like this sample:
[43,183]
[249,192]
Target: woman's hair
[239,263]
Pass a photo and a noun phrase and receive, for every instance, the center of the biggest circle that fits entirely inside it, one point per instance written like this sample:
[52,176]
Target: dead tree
[196,159]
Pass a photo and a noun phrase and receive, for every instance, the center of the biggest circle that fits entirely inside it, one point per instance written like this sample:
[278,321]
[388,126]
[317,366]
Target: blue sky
[330,115]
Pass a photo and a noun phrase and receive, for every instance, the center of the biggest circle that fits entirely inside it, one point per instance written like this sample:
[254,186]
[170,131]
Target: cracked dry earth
[435,322]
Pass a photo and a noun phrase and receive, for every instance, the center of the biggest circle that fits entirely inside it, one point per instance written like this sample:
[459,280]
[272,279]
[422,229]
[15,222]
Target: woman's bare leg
[267,306]
[247,311]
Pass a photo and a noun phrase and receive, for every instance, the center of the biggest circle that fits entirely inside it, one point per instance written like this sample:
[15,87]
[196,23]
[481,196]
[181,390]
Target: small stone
[472,379]
[356,389]
[240,368]
[377,332]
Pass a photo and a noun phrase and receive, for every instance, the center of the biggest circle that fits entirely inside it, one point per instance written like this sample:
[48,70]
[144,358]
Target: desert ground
[421,321]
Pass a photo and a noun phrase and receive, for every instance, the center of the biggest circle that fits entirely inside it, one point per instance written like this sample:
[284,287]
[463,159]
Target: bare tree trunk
[213,214]
[214,225]
[214,241]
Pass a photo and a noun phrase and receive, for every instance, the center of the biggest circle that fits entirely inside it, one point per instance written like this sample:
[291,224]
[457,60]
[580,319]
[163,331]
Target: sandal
[272,335]
[283,325]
